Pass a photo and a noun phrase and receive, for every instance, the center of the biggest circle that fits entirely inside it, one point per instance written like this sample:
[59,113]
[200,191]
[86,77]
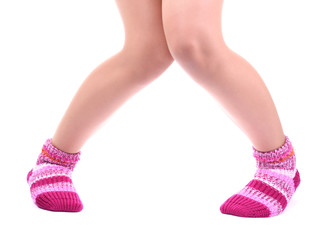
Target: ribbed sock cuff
[275,155]
[56,156]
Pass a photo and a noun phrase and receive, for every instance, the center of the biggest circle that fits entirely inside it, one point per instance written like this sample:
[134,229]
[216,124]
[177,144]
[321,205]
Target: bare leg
[144,57]
[194,36]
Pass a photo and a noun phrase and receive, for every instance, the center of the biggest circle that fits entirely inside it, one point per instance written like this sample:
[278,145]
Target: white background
[164,162]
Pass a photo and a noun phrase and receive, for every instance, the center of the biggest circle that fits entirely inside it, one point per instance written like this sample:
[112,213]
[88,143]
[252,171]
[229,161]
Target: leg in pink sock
[144,57]
[194,36]
[274,184]
[50,181]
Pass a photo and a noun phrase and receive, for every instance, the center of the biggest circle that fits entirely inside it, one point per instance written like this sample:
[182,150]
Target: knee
[148,60]
[186,47]
[194,46]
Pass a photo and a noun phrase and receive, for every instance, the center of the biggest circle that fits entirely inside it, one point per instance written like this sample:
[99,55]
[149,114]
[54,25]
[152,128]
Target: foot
[50,181]
[274,184]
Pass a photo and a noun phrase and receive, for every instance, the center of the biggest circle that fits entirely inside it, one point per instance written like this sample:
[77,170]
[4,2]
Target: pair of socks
[267,195]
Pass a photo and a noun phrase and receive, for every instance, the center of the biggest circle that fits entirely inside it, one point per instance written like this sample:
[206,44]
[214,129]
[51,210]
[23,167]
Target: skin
[189,32]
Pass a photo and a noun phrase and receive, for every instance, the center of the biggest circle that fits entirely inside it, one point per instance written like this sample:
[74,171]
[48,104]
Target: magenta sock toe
[59,201]
[239,205]
[50,181]
[274,184]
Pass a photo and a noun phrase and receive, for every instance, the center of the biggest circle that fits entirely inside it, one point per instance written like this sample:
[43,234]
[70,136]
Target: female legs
[144,57]
[194,37]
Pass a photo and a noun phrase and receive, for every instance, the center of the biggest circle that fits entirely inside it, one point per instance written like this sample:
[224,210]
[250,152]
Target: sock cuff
[278,154]
[57,156]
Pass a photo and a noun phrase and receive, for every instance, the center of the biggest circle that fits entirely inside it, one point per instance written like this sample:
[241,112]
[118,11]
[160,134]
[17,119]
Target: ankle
[53,155]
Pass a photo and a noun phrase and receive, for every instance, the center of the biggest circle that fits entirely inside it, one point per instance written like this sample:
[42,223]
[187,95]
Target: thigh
[192,17]
[142,21]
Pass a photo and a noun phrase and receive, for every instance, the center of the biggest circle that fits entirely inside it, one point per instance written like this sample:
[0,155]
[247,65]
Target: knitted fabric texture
[274,184]
[50,181]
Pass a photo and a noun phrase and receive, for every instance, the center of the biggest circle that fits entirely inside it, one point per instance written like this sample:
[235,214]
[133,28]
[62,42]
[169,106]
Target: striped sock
[50,181]
[274,183]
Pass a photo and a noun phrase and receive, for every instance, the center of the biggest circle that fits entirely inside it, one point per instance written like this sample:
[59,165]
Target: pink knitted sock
[274,183]
[50,181]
